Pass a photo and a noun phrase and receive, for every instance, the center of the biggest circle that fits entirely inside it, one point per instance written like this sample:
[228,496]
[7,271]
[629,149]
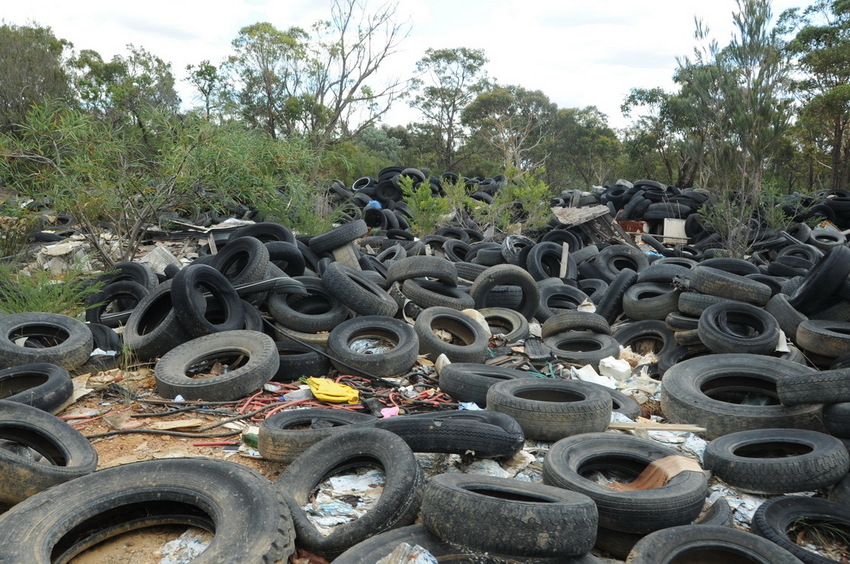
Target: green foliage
[106,174]
[429,212]
[32,67]
[521,206]
[584,150]
[38,291]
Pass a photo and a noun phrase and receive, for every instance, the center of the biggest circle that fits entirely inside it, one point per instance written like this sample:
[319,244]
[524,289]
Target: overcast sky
[579,53]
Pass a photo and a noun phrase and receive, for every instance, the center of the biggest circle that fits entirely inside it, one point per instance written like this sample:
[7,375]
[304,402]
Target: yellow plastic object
[330,391]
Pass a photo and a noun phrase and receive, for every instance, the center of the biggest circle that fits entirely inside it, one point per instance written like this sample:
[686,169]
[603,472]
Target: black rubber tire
[503,321]
[351,448]
[68,455]
[287,257]
[507,275]
[549,410]
[319,310]
[694,303]
[123,295]
[431,293]
[153,329]
[193,310]
[381,546]
[575,321]
[705,544]
[611,304]
[716,282]
[822,281]
[662,272]
[738,328]
[826,338]
[777,461]
[646,336]
[677,502]
[774,518]
[582,347]
[251,356]
[789,319]
[678,321]
[221,497]
[338,236]
[558,297]
[58,339]
[395,362]
[613,259]
[41,385]
[623,404]
[475,511]
[357,292]
[469,381]
[423,267]
[515,245]
[469,271]
[469,340]
[650,300]
[286,434]
[299,361]
[242,261]
[483,434]
[717,391]
[129,271]
[544,261]
[265,231]
[825,386]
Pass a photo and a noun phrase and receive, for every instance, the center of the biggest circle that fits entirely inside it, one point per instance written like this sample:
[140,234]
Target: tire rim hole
[714,555]
[645,344]
[554,396]
[578,345]
[32,445]
[742,390]
[777,449]
[828,539]
[20,383]
[372,345]
[39,336]
[345,494]
[213,366]
[509,496]
[126,522]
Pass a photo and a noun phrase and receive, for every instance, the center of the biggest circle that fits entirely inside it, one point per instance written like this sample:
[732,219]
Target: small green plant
[830,540]
[429,212]
[39,291]
[523,204]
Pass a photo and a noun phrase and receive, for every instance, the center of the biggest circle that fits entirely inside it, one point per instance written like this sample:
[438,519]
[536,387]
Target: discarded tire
[774,518]
[738,328]
[477,511]
[377,345]
[469,381]
[398,505]
[26,338]
[706,544]
[250,357]
[777,461]
[40,384]
[549,410]
[677,502]
[286,434]
[467,341]
[59,453]
[221,497]
[716,392]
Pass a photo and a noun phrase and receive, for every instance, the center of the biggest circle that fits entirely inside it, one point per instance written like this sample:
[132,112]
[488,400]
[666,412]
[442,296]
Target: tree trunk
[687,174]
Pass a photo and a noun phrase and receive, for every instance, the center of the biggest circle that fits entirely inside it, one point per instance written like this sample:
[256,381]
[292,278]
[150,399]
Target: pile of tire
[369,298]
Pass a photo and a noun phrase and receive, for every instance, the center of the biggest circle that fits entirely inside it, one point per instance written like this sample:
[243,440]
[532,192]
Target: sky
[578,52]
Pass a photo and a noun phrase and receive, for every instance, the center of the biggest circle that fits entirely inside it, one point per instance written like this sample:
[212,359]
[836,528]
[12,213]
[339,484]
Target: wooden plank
[653,426]
[178,424]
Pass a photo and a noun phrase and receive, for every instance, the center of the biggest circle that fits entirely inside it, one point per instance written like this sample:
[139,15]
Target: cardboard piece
[658,473]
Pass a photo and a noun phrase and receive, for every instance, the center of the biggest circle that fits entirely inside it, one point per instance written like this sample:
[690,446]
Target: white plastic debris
[487,467]
[588,374]
[468,406]
[343,498]
[185,548]
[409,555]
[619,370]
